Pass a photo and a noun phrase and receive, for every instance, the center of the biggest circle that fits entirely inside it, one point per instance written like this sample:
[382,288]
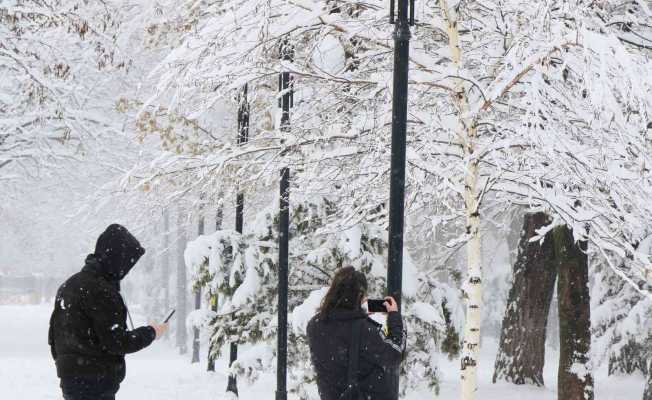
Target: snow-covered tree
[543,105]
[242,269]
[58,59]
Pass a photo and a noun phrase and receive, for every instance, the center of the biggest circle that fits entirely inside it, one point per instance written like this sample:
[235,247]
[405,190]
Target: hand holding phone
[388,304]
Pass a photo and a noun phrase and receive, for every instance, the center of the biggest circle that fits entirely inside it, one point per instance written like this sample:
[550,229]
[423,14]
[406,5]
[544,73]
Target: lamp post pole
[242,138]
[286,100]
[402,22]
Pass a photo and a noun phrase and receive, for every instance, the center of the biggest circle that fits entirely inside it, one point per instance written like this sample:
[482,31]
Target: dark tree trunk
[195,330]
[521,352]
[574,378]
[219,215]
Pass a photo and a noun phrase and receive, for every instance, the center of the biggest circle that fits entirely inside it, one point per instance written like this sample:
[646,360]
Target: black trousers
[89,388]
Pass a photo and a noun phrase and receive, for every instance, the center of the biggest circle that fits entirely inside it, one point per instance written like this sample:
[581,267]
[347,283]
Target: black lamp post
[283,250]
[285,102]
[399,124]
[402,22]
[242,138]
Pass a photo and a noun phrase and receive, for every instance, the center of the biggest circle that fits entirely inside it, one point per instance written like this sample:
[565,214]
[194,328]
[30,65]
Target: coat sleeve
[385,349]
[104,310]
[53,351]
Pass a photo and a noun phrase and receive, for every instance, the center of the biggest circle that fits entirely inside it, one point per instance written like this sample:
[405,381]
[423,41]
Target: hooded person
[88,333]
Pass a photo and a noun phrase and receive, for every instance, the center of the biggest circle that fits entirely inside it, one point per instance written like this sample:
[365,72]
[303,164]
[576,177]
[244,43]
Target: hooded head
[117,251]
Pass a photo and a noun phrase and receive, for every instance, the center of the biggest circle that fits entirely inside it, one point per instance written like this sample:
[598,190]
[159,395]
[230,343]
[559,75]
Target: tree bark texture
[195,330]
[165,262]
[213,297]
[574,377]
[521,353]
[647,395]
[182,302]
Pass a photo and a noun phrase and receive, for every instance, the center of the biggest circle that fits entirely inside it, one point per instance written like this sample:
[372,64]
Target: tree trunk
[648,387]
[195,330]
[182,340]
[574,379]
[165,262]
[521,352]
[466,131]
[218,226]
[472,286]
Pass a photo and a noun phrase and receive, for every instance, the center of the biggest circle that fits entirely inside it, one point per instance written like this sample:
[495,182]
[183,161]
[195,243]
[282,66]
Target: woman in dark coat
[330,334]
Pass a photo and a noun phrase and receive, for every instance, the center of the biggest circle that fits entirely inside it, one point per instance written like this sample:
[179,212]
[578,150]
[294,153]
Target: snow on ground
[158,372]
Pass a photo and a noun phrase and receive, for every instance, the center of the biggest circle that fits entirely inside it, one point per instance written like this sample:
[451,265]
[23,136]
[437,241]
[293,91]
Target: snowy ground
[27,372]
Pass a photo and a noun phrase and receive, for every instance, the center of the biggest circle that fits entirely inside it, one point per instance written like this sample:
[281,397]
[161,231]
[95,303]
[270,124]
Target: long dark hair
[347,290]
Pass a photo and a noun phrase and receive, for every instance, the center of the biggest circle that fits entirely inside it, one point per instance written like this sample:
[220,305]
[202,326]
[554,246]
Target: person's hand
[390,304]
[160,329]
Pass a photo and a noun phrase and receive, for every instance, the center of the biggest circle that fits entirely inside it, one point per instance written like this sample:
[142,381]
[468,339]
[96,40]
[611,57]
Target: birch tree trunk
[574,378]
[182,338]
[521,352]
[473,287]
[467,135]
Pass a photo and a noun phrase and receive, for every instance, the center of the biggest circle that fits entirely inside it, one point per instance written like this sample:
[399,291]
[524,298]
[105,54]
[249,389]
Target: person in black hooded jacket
[88,333]
[330,334]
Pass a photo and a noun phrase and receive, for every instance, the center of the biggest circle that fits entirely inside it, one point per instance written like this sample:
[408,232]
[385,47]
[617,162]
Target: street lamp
[402,22]
[285,102]
[242,138]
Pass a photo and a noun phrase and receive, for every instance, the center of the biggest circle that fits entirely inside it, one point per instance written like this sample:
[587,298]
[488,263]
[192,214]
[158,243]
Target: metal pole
[399,124]
[397,180]
[283,237]
[286,100]
[242,138]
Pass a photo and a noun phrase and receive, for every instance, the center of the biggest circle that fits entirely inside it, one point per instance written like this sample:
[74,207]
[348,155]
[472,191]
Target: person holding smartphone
[355,357]
[88,333]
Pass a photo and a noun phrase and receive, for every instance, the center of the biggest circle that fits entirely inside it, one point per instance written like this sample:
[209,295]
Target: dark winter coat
[380,353]
[88,333]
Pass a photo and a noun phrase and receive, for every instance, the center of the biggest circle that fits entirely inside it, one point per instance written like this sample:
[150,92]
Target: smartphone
[376,305]
[169,316]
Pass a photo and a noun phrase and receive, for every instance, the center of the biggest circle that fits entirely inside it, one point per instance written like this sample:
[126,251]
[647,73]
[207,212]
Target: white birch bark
[472,287]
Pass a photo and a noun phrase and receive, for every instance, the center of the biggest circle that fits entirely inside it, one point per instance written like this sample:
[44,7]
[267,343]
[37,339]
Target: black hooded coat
[88,333]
